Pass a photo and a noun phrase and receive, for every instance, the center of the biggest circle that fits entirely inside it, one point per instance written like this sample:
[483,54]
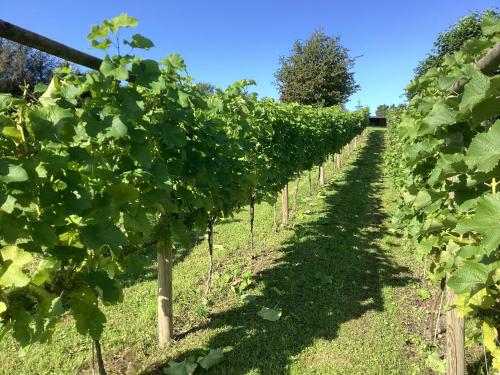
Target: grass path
[345,288]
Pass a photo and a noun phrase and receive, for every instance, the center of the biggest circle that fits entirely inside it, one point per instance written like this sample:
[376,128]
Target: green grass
[336,272]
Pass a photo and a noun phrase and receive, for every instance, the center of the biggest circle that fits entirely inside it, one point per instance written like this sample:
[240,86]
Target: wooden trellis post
[321,175]
[165,308]
[455,339]
[284,201]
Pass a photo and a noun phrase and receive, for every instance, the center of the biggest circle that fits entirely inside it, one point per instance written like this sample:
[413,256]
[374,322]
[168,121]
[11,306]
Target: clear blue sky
[223,41]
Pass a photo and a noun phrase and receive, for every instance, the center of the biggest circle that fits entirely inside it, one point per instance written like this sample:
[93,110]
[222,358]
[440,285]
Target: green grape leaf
[15,255]
[118,129]
[14,277]
[441,115]
[131,103]
[422,199]
[68,254]
[40,88]
[180,368]
[98,31]
[484,150]
[111,68]
[89,319]
[142,154]
[183,99]
[3,307]
[174,61]
[475,91]
[103,234]
[44,271]
[109,290]
[22,327]
[7,203]
[138,41]
[12,132]
[123,20]
[270,314]
[15,258]
[11,227]
[104,44]
[485,221]
[122,193]
[44,234]
[214,357]
[12,173]
[469,277]
[146,72]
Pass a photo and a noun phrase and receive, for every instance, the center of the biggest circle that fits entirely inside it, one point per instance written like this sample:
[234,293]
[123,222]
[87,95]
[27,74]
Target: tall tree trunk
[284,200]
[165,309]
[455,339]
[210,232]
[98,355]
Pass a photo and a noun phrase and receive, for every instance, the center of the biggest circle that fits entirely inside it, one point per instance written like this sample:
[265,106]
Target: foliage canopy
[318,72]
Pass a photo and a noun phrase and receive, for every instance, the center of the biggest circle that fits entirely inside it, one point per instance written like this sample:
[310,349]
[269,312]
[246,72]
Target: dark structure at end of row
[378,121]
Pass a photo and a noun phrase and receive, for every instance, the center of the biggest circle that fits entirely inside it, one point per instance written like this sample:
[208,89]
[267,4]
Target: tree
[381,110]
[452,40]
[317,72]
[206,88]
[21,65]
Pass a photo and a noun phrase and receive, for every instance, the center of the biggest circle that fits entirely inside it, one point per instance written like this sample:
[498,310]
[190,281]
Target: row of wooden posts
[338,160]
[165,260]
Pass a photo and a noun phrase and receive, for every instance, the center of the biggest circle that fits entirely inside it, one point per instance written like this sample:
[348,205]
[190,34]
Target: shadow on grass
[332,271]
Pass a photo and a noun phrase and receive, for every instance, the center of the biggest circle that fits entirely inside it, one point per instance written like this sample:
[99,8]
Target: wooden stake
[321,175]
[284,200]
[252,218]
[210,233]
[165,310]
[455,339]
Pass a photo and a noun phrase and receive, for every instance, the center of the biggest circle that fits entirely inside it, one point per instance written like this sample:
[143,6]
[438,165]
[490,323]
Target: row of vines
[99,165]
[444,157]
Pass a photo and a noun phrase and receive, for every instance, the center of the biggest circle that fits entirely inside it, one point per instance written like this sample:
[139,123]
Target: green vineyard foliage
[444,156]
[103,163]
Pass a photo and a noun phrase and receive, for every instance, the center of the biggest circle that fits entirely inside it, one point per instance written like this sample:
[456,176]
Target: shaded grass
[336,273]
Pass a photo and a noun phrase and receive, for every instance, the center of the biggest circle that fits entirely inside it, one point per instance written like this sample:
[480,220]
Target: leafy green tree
[318,72]
[20,65]
[205,87]
[452,40]
[381,110]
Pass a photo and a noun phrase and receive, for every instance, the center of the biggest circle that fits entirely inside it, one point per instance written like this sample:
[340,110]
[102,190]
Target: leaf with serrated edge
[484,150]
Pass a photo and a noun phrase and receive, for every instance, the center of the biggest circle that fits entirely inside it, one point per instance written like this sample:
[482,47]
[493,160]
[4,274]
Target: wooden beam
[22,36]
[488,64]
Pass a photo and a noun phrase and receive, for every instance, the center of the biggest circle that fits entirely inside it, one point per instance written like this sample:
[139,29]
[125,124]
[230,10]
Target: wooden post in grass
[455,342]
[321,175]
[165,310]
[284,201]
